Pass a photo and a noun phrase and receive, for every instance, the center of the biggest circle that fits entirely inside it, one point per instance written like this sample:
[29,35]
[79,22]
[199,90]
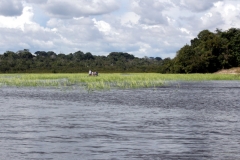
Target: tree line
[207,53]
[23,61]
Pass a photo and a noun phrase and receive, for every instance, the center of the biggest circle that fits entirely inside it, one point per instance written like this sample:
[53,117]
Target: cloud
[36,1]
[17,21]
[78,8]
[11,7]
[77,30]
[129,19]
[21,32]
[230,14]
[102,26]
[222,15]
[211,20]
[150,11]
[33,38]
[195,6]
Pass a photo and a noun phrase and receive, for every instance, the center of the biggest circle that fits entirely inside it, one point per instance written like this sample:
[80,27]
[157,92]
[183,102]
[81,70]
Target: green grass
[106,81]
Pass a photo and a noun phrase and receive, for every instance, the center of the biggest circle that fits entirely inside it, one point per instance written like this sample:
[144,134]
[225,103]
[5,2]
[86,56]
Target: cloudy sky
[153,28]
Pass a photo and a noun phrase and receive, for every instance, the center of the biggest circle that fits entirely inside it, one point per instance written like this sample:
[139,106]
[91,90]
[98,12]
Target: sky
[152,28]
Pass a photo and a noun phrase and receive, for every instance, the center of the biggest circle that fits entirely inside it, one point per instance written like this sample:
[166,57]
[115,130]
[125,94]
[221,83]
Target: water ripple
[183,120]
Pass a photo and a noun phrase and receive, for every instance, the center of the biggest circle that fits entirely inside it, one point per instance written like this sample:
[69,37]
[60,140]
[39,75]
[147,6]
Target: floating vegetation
[105,81]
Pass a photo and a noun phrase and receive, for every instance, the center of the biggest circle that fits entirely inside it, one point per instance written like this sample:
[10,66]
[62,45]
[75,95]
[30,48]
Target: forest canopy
[24,61]
[207,53]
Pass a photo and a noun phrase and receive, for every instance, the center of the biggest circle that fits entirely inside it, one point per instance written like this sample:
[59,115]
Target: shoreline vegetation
[105,81]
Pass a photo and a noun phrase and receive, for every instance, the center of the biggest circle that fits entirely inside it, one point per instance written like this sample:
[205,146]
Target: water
[184,120]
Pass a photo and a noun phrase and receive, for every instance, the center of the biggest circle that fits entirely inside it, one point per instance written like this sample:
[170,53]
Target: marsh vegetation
[105,81]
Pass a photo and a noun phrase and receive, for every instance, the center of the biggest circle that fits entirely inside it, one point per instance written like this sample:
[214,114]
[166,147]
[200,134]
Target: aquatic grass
[106,81]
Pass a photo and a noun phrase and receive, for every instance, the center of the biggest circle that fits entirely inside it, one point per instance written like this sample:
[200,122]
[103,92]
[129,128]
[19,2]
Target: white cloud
[184,30]
[129,19]
[230,13]
[18,21]
[102,26]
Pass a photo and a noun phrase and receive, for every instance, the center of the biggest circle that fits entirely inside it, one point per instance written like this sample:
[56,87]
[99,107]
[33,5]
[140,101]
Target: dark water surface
[184,120]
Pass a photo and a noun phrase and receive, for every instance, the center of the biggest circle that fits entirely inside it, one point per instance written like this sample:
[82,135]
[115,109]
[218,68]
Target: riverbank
[235,70]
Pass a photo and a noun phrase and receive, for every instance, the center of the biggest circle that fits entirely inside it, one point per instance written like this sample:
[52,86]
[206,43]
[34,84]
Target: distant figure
[90,73]
[95,73]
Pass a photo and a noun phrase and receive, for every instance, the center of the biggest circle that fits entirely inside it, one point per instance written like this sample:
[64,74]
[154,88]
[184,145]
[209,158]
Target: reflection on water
[197,120]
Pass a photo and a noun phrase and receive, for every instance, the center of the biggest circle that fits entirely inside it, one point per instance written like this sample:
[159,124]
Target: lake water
[182,120]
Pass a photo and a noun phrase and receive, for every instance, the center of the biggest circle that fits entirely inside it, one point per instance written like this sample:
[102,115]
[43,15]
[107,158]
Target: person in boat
[89,72]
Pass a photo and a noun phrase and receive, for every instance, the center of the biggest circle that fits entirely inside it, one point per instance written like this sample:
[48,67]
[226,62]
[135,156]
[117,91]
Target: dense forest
[207,53]
[24,61]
